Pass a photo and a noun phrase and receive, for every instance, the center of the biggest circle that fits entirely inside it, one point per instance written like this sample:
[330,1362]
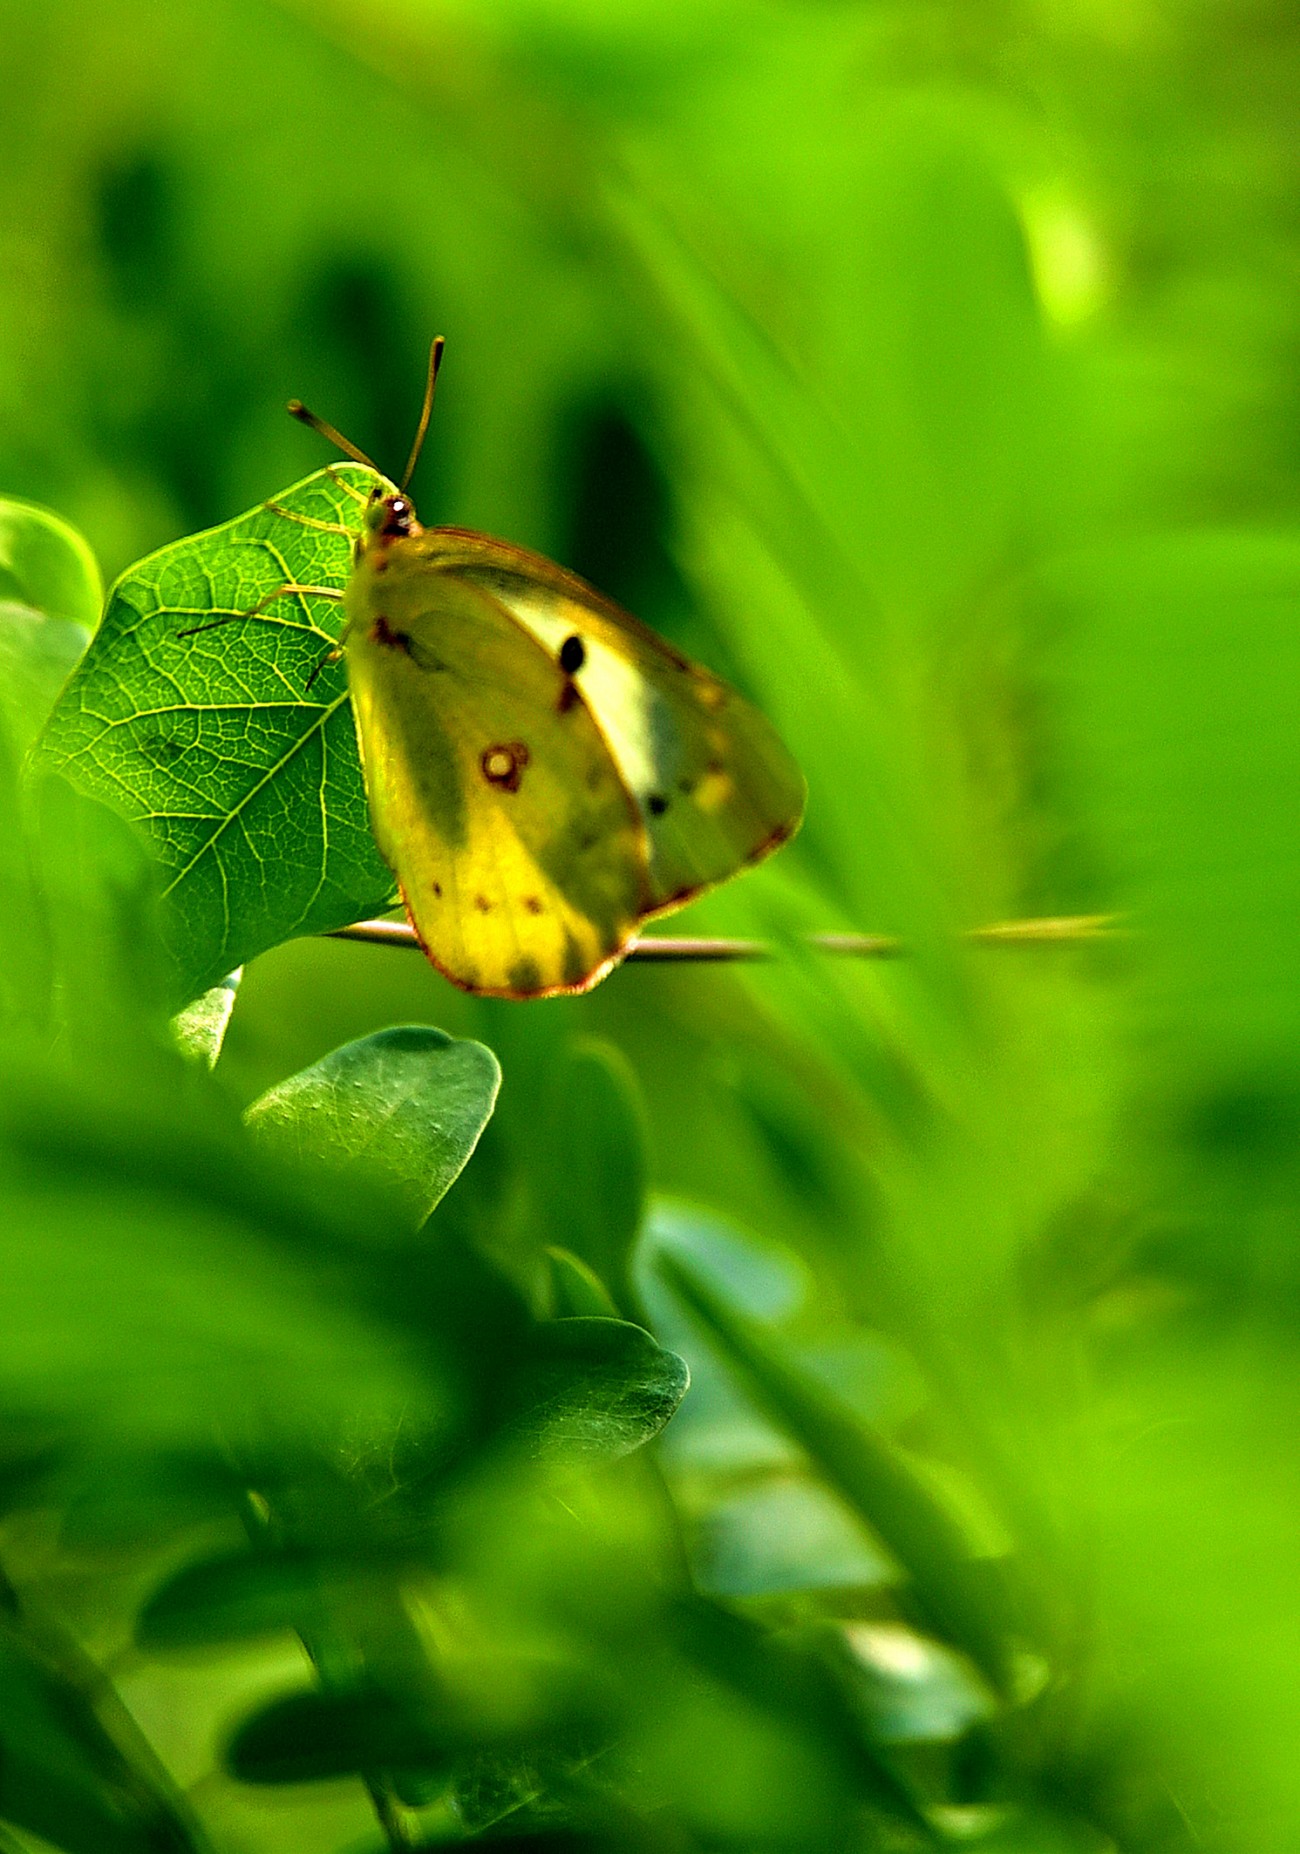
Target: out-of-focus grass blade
[863,1468]
[591,1164]
[65,1776]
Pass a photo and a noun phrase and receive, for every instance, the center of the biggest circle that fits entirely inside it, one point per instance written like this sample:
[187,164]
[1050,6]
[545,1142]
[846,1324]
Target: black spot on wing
[573,654]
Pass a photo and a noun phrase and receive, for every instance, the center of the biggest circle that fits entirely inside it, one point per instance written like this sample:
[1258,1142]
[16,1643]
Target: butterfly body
[544,773]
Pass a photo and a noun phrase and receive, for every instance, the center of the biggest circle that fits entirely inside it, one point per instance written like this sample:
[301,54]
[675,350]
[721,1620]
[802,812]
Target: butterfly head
[387,518]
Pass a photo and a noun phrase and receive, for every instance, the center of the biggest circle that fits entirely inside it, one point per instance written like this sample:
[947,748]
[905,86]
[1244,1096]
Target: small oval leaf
[310,1737]
[236,1597]
[404,1107]
[595,1389]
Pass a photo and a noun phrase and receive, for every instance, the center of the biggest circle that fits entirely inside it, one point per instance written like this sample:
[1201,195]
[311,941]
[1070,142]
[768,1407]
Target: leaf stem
[1066,930]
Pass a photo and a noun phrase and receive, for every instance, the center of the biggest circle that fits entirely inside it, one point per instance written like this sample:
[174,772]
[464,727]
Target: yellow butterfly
[544,773]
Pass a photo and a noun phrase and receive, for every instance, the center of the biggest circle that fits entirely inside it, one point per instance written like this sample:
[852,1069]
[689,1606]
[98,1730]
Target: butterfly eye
[398,516]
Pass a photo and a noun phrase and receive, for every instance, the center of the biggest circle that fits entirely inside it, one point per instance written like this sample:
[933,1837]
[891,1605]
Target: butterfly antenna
[296,409]
[430,387]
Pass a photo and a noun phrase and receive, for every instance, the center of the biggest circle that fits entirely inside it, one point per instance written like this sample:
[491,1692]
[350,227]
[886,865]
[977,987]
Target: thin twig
[1064,930]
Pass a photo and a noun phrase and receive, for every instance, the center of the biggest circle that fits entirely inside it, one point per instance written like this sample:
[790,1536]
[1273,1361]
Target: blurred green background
[933,371]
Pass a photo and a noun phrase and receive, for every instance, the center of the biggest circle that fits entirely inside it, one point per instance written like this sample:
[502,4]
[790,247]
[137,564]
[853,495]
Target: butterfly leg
[290,589]
[327,656]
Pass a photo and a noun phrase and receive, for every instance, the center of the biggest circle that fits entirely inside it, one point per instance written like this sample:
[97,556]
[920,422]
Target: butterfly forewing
[715,787]
[520,853]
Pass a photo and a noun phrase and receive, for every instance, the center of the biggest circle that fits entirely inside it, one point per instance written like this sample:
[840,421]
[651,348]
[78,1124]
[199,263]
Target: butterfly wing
[714,785]
[520,854]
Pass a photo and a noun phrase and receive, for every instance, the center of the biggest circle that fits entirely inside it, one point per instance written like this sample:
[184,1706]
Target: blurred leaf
[65,1777]
[910,1690]
[405,1107]
[591,1163]
[200,1029]
[235,1598]
[869,1474]
[214,743]
[156,1281]
[314,1736]
[576,1291]
[37,652]
[46,565]
[785,1534]
[98,893]
[778,1690]
[128,1500]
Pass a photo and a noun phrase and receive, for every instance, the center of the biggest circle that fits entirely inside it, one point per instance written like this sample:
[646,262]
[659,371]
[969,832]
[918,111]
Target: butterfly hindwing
[715,787]
[521,855]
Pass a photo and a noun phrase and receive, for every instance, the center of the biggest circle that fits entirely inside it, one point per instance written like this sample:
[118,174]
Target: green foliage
[928,370]
[228,736]
[405,1107]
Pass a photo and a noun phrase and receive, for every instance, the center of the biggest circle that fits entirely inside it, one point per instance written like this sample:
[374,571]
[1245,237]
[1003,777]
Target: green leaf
[37,653]
[592,1173]
[593,1390]
[405,1107]
[233,748]
[98,892]
[64,1775]
[785,1534]
[46,565]
[200,1029]
[157,1282]
[1179,664]
[236,1597]
[312,1736]
[577,1292]
[863,1468]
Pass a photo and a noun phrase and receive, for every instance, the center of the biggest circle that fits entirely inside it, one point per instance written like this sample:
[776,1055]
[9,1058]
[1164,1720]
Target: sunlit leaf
[233,747]
[200,1029]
